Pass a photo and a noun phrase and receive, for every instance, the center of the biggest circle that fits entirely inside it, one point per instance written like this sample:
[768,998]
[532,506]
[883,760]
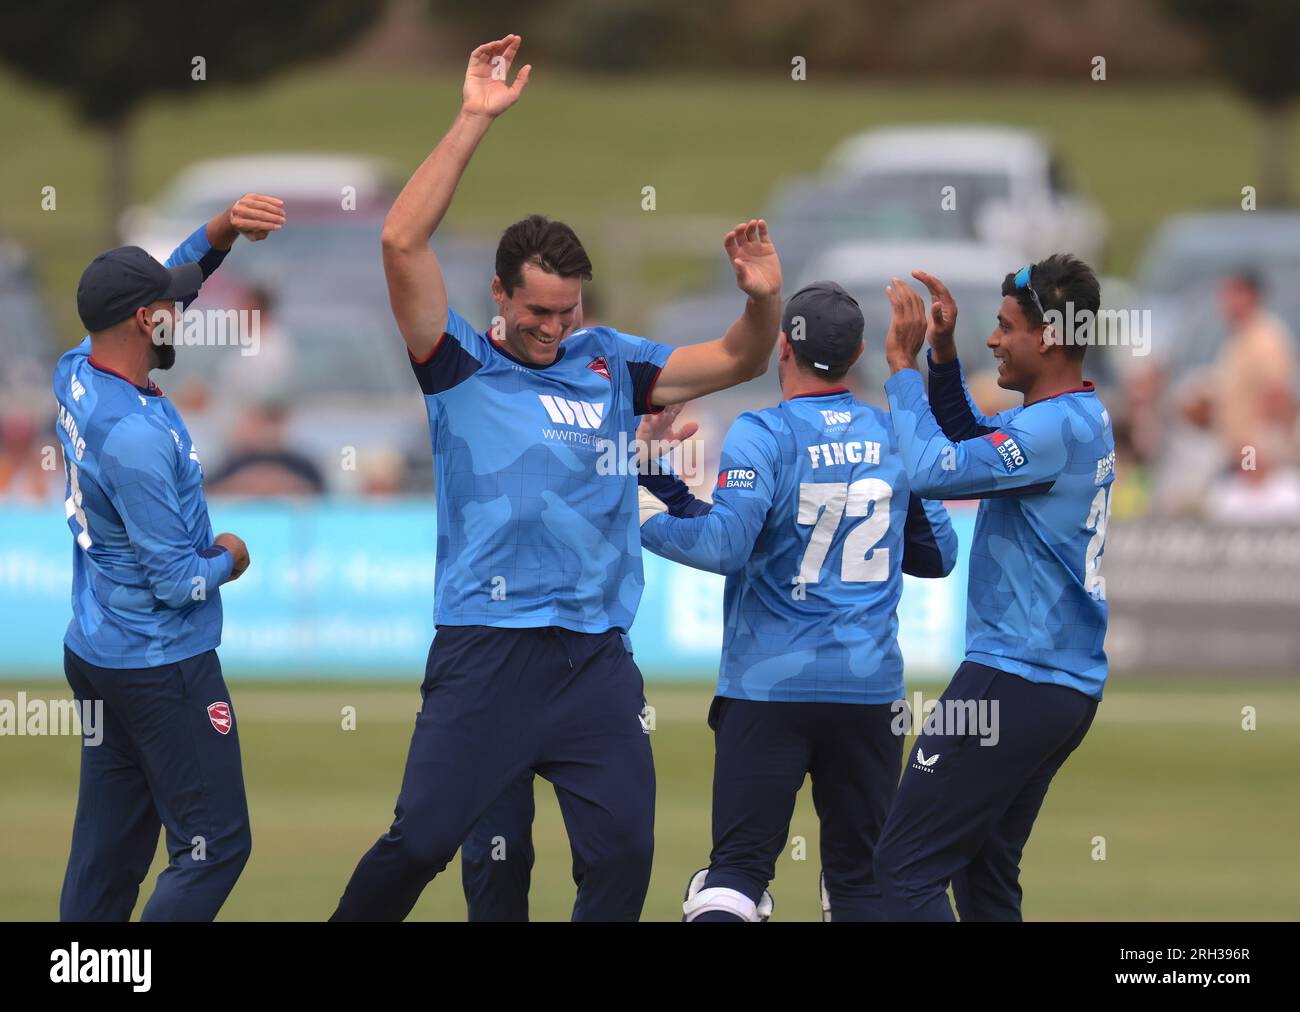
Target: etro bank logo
[737,477]
[1013,458]
[580,419]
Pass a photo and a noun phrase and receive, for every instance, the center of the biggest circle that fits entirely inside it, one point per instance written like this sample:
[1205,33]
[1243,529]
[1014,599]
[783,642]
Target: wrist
[221,232]
[475,118]
[943,350]
[897,363]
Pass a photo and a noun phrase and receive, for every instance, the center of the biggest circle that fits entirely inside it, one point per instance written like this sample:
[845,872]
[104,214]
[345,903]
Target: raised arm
[415,285]
[742,353]
[954,409]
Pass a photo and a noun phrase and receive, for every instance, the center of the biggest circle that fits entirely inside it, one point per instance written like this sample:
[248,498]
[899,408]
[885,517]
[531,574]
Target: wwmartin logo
[582,414]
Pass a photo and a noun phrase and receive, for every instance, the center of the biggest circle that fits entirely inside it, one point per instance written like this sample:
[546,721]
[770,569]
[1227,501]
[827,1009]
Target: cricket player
[146,611]
[814,522]
[1036,610]
[539,566]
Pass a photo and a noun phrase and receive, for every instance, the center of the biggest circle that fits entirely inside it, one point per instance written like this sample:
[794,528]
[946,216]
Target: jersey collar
[832,392]
[152,389]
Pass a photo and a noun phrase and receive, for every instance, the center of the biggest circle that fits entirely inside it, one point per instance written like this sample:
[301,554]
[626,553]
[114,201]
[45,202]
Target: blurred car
[1010,189]
[350,384]
[309,184]
[1179,274]
[27,345]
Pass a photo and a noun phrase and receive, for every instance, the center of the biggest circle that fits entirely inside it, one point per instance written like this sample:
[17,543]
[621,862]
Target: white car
[1007,184]
[313,186]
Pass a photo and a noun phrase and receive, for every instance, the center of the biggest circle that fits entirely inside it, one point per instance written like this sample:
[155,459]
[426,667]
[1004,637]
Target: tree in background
[1254,43]
[111,56]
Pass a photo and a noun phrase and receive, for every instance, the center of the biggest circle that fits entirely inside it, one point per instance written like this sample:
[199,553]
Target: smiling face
[1017,345]
[540,313]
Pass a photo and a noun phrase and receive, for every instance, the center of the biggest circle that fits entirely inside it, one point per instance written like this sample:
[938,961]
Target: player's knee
[426,854]
[630,856]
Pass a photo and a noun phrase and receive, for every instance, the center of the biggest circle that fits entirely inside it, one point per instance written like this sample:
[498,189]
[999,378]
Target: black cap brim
[186,279]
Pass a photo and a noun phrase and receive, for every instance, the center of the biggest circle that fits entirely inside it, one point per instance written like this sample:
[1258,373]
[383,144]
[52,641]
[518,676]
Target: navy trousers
[763,751]
[964,810]
[169,757]
[496,859]
[500,702]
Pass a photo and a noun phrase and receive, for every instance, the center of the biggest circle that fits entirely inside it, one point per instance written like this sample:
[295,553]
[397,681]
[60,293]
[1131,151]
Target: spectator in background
[1255,374]
[260,462]
[22,478]
[1268,493]
[1246,400]
[263,377]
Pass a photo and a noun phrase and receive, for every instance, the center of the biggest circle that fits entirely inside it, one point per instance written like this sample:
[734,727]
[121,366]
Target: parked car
[311,185]
[1010,189]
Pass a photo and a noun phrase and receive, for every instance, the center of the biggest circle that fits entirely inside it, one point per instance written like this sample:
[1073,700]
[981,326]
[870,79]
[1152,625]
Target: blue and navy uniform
[146,621]
[1036,626]
[814,522]
[538,580]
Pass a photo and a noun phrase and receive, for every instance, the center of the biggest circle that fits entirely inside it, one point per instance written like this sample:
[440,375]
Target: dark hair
[1248,277]
[1059,279]
[548,245]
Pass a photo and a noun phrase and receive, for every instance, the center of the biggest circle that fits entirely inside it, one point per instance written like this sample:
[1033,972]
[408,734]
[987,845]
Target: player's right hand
[255,216]
[943,317]
[486,92]
[234,544]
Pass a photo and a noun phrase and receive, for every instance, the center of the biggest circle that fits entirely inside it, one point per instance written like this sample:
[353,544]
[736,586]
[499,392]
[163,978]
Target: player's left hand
[754,259]
[660,434]
[906,327]
[255,216]
[663,429]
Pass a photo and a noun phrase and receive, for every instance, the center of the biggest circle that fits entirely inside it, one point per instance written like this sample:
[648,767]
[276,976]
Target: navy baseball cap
[832,325]
[119,282]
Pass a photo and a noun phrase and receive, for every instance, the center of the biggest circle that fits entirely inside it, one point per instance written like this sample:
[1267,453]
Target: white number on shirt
[822,505]
[1098,517]
[72,507]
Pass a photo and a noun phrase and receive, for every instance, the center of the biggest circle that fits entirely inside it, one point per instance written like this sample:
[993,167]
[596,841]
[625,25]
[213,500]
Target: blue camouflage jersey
[1036,603]
[144,570]
[537,509]
[814,523]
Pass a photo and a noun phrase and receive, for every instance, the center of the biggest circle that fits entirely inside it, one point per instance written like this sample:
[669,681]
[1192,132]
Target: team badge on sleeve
[737,477]
[1013,457]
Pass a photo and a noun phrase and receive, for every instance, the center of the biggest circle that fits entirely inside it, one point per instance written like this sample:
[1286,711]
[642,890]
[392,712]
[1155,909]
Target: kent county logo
[582,414]
[922,763]
[219,714]
[737,477]
[1013,458]
[599,365]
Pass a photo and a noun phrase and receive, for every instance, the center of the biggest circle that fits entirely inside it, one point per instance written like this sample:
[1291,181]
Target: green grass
[582,147]
[1197,814]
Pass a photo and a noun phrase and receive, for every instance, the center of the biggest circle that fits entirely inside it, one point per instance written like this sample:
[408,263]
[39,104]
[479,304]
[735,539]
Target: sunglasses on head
[1021,280]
